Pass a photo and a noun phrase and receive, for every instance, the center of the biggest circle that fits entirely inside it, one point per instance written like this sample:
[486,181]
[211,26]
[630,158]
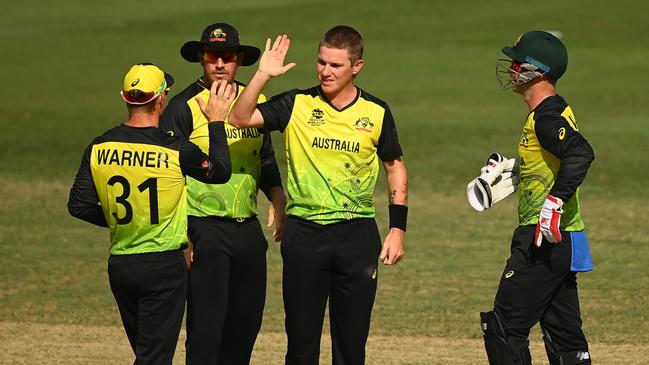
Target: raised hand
[222,95]
[271,62]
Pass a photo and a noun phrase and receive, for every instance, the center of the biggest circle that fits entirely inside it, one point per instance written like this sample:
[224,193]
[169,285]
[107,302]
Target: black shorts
[537,285]
[338,262]
[227,289]
[150,291]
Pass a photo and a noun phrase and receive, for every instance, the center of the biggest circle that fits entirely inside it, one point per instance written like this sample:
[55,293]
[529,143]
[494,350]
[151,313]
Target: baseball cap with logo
[145,82]
[220,37]
[541,49]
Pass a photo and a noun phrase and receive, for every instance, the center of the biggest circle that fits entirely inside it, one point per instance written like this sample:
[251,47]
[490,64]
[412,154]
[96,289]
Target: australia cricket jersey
[332,154]
[251,152]
[132,180]
[554,159]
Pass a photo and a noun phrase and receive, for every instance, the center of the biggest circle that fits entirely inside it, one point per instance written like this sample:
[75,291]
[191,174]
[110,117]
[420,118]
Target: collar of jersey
[322,95]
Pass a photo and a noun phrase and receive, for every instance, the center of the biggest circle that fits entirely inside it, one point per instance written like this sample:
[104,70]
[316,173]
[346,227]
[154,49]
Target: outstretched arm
[244,113]
[397,178]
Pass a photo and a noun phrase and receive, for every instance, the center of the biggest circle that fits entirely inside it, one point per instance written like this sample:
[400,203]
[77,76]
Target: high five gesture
[271,62]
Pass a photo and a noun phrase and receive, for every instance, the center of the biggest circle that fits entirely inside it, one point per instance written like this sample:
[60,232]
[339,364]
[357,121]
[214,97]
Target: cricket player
[227,280]
[132,180]
[549,247]
[336,136]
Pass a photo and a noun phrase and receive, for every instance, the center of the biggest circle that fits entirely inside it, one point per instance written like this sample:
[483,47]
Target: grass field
[432,61]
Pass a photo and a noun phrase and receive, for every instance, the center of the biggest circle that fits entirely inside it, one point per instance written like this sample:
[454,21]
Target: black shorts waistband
[333,224]
[147,256]
[226,219]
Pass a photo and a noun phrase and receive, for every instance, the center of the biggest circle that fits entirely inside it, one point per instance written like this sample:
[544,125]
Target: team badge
[524,140]
[217,35]
[364,124]
[317,117]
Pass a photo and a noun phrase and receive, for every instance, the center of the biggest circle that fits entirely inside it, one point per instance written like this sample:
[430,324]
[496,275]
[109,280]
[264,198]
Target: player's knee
[500,349]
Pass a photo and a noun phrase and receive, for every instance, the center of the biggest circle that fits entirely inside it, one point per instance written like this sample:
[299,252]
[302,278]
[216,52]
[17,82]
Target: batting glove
[549,221]
[498,180]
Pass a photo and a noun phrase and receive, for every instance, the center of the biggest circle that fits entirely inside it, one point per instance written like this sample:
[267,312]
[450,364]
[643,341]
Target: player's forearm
[91,213]
[219,154]
[83,202]
[277,196]
[397,179]
[270,178]
[572,171]
[246,104]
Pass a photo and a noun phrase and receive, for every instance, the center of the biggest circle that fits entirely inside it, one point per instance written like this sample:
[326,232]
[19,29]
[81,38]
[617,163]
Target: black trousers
[227,290]
[150,291]
[338,262]
[538,286]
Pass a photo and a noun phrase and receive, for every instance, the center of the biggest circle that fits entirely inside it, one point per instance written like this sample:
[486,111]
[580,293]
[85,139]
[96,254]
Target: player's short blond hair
[344,37]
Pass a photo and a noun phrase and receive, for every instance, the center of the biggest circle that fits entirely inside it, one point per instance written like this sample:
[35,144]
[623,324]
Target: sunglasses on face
[225,56]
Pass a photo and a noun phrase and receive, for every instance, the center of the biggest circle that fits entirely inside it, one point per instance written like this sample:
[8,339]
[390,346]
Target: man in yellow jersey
[336,136]
[549,246]
[227,281]
[132,180]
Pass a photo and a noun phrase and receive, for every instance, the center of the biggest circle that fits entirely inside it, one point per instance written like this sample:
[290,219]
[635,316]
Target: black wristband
[398,216]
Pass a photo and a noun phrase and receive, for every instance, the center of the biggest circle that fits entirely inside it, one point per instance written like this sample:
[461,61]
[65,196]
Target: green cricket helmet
[533,54]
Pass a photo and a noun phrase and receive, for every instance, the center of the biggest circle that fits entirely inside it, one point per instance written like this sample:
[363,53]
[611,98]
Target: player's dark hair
[344,37]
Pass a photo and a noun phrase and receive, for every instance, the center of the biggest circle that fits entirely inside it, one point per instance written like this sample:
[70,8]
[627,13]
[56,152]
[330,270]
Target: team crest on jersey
[364,124]
[524,140]
[317,117]
[217,35]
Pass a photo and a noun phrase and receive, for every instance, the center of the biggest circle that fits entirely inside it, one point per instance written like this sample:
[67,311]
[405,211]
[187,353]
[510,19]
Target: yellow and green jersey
[251,152]
[554,160]
[332,154]
[132,180]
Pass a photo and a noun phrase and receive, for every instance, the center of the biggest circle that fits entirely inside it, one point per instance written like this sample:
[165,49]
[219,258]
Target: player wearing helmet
[549,246]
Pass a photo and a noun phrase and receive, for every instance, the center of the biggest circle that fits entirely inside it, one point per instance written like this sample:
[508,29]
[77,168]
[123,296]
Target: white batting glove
[549,221]
[498,180]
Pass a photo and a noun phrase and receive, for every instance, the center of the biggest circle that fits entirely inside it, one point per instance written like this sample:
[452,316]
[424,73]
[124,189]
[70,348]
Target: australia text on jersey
[234,133]
[336,144]
[109,156]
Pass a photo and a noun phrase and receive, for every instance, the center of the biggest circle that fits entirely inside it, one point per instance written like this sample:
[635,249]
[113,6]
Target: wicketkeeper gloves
[549,221]
[498,180]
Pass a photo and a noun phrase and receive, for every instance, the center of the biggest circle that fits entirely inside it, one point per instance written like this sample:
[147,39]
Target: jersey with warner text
[238,197]
[552,149]
[332,154]
[137,176]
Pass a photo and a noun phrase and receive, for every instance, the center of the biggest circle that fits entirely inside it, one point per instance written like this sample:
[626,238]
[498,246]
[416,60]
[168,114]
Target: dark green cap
[541,49]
